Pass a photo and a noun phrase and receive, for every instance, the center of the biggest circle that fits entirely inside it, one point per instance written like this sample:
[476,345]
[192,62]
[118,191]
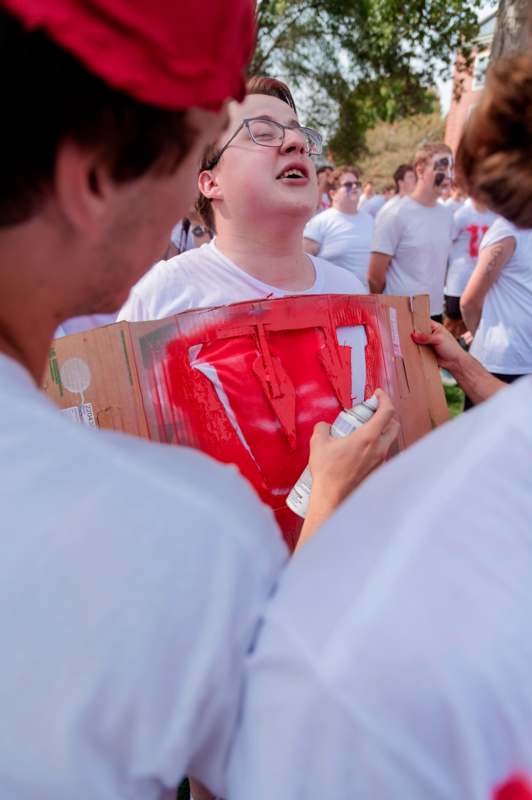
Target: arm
[339,465]
[489,266]
[378,266]
[312,247]
[476,382]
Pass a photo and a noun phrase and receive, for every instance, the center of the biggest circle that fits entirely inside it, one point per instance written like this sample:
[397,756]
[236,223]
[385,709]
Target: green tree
[358,61]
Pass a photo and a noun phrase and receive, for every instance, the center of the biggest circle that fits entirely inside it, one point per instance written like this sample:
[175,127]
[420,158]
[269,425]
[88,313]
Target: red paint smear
[516,788]
[282,370]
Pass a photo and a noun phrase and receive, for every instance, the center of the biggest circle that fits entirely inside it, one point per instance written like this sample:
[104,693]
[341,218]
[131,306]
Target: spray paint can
[345,423]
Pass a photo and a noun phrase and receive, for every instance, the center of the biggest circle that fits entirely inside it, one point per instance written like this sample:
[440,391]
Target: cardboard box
[246,383]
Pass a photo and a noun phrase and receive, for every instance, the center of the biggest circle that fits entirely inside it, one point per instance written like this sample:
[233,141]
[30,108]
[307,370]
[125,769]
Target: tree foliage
[355,62]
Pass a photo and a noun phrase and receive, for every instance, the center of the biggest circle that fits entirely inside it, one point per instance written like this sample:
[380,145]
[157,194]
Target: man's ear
[83,187]
[208,185]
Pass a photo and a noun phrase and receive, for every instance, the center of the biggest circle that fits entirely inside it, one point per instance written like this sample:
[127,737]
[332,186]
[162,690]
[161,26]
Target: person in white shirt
[410,676]
[133,574]
[342,234]
[411,242]
[471,221]
[258,195]
[378,201]
[497,302]
[404,179]
[367,193]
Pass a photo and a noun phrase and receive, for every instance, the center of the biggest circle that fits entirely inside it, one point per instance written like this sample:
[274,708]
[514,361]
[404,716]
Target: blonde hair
[427,151]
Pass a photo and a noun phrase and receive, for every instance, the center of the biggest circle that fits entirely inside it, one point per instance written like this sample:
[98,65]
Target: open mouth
[293,174]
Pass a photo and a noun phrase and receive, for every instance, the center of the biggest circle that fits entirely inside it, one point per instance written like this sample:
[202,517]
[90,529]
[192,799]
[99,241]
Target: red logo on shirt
[476,232]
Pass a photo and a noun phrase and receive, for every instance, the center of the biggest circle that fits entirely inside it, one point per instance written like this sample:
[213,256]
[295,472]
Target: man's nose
[294,141]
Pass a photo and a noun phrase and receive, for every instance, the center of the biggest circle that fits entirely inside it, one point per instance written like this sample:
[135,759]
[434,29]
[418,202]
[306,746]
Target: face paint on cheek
[443,168]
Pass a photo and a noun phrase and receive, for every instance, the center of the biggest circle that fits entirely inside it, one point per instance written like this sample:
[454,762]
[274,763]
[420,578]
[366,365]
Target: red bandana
[174,54]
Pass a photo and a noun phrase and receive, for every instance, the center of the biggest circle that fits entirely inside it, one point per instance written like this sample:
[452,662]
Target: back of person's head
[271,87]
[494,158]
[400,172]
[345,169]
[50,97]
[426,152]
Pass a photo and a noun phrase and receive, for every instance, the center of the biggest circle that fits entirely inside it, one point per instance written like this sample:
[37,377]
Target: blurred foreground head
[494,159]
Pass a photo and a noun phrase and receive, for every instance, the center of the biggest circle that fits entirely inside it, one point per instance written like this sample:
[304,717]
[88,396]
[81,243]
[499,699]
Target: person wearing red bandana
[133,574]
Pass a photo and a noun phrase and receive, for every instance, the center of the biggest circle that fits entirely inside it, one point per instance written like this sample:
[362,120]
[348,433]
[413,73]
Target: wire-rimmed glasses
[269,133]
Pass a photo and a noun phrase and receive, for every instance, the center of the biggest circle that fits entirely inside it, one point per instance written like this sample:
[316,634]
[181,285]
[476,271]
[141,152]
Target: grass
[455,400]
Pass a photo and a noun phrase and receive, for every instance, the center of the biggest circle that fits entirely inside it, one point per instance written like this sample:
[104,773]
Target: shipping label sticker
[82,414]
[396,341]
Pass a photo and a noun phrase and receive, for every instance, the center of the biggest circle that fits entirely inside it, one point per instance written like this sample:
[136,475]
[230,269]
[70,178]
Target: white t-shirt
[452,204]
[419,239]
[374,204]
[389,204]
[470,226]
[394,662]
[132,576]
[204,277]
[344,239]
[503,341]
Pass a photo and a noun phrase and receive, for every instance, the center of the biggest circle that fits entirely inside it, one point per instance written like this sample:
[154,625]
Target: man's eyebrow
[292,123]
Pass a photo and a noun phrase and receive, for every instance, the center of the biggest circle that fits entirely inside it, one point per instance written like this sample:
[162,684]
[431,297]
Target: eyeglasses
[349,185]
[268,133]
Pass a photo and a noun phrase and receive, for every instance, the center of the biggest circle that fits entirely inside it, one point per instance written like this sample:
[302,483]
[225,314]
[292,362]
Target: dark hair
[494,158]
[255,85]
[400,172]
[324,168]
[49,97]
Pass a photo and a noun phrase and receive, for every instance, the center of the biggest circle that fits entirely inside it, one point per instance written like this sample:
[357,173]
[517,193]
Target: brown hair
[400,172]
[427,151]
[343,170]
[494,159]
[256,85]
[48,97]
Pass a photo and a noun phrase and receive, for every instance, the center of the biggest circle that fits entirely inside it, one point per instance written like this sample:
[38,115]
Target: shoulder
[500,229]
[336,280]
[168,287]
[320,221]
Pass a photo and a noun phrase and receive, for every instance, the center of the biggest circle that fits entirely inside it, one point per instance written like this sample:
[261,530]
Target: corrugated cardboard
[246,383]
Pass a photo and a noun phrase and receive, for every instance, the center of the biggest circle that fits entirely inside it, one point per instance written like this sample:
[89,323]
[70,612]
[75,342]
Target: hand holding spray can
[345,423]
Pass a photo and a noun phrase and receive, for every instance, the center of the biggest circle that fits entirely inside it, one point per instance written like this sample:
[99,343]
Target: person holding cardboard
[409,677]
[133,575]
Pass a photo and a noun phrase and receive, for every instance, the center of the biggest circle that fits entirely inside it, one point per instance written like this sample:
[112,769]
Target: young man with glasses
[258,189]
[342,234]
[412,240]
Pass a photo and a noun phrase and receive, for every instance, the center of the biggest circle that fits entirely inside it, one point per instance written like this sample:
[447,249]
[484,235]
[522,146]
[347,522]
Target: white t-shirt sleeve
[133,309]
[501,229]
[387,234]
[315,228]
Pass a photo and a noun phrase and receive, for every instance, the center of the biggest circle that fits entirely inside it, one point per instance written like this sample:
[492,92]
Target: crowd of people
[152,624]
